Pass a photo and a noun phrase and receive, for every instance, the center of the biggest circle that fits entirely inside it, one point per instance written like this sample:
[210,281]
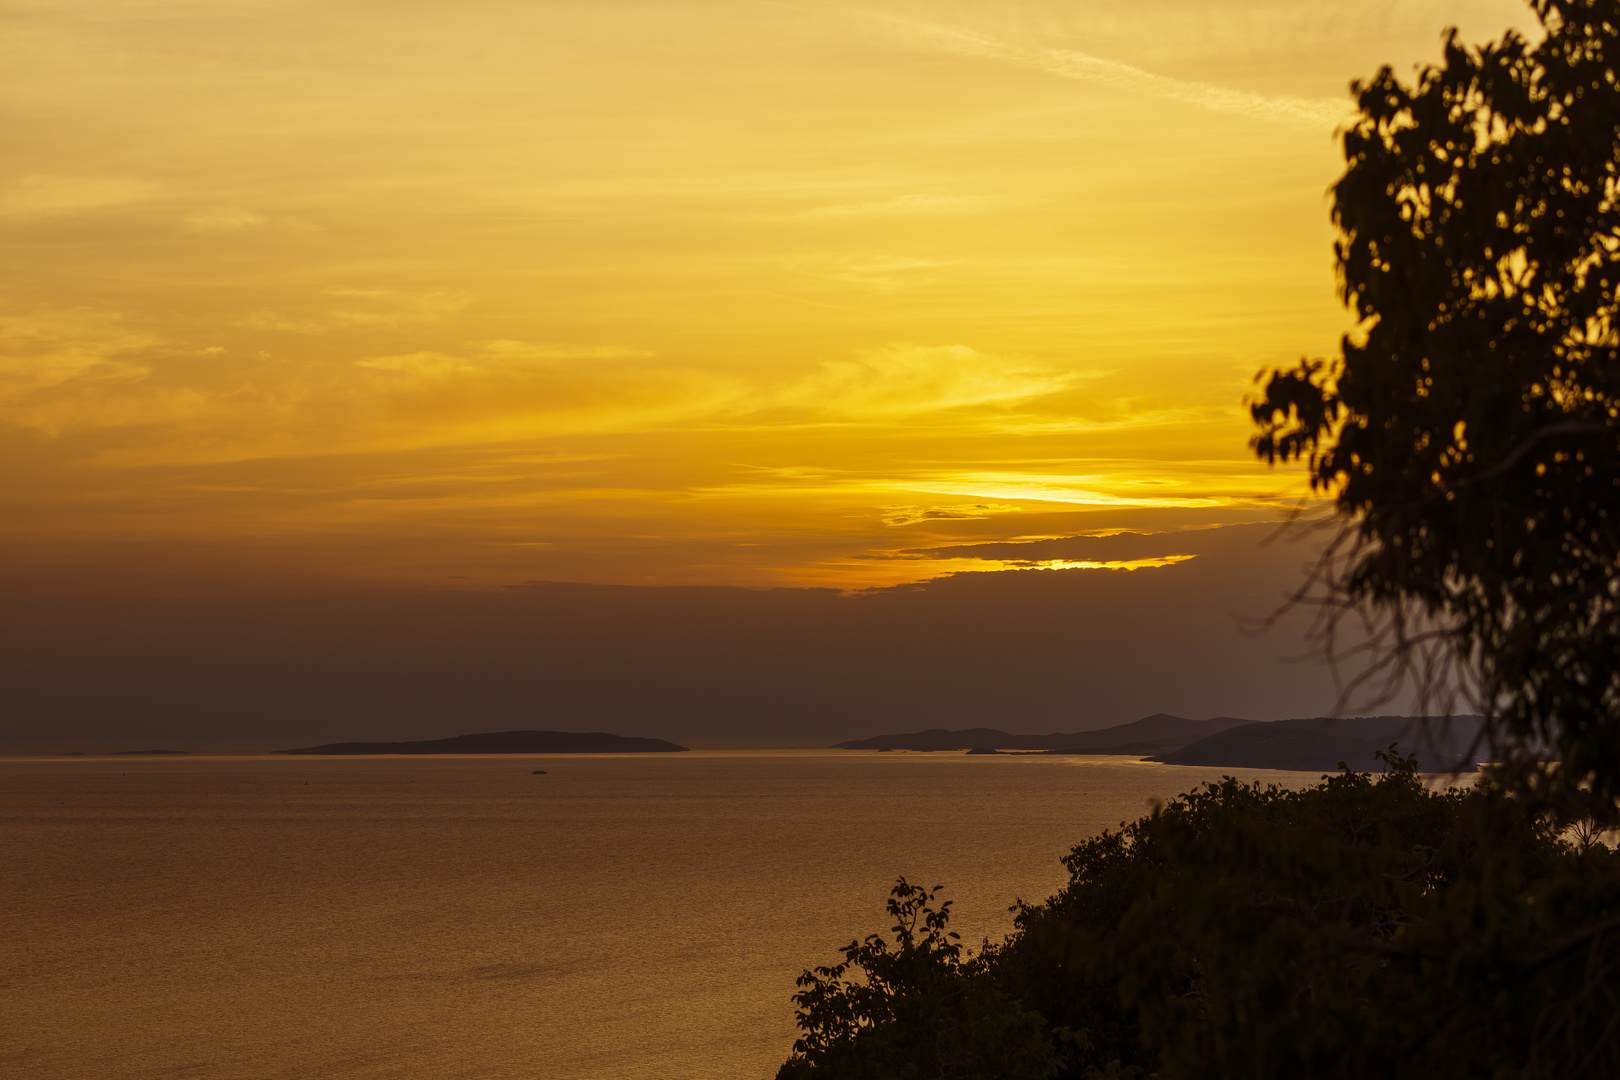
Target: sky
[429,303]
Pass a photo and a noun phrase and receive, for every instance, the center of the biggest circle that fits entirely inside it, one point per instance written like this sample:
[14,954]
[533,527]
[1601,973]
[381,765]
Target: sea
[615,917]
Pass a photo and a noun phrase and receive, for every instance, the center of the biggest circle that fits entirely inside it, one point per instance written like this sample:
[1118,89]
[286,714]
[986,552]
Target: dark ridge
[505,742]
[1159,733]
[1318,744]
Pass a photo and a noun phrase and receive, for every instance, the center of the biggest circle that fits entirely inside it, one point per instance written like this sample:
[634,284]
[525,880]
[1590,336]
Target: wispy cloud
[905,379]
[914,515]
[493,357]
[499,390]
[51,348]
[906,205]
[38,196]
[1074,64]
[894,384]
[1075,490]
[387,307]
[224,219]
[1154,563]
[879,273]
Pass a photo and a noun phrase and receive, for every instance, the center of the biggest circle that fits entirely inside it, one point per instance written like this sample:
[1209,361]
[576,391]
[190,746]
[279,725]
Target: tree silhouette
[917,1009]
[1469,431]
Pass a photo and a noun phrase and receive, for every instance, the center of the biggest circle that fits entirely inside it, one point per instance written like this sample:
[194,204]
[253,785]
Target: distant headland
[1316,744]
[1160,733]
[505,742]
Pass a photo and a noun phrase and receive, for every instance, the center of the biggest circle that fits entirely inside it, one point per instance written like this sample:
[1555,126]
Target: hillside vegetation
[1362,927]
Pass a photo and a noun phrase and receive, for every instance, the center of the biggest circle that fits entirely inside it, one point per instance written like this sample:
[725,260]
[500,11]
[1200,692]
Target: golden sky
[680,291]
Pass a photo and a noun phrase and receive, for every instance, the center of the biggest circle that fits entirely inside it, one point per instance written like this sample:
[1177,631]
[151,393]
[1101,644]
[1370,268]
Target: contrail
[1071,64]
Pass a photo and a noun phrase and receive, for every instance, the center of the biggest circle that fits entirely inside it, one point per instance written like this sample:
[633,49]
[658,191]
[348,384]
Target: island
[1156,734]
[505,742]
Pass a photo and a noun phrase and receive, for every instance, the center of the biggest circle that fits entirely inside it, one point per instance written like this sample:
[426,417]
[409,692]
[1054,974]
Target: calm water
[622,916]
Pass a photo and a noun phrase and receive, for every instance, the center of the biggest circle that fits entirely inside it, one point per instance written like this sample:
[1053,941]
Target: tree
[1469,430]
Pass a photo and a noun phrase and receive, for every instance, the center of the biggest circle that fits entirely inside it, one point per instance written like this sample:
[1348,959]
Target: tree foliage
[916,1010]
[1362,927]
[1470,429]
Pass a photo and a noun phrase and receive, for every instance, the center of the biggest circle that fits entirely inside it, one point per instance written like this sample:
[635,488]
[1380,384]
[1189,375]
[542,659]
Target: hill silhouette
[1318,744]
[505,742]
[1159,733]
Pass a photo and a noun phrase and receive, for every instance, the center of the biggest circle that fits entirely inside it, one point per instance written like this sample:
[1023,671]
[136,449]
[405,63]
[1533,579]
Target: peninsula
[1313,744]
[505,742]
[1319,744]
[1160,733]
